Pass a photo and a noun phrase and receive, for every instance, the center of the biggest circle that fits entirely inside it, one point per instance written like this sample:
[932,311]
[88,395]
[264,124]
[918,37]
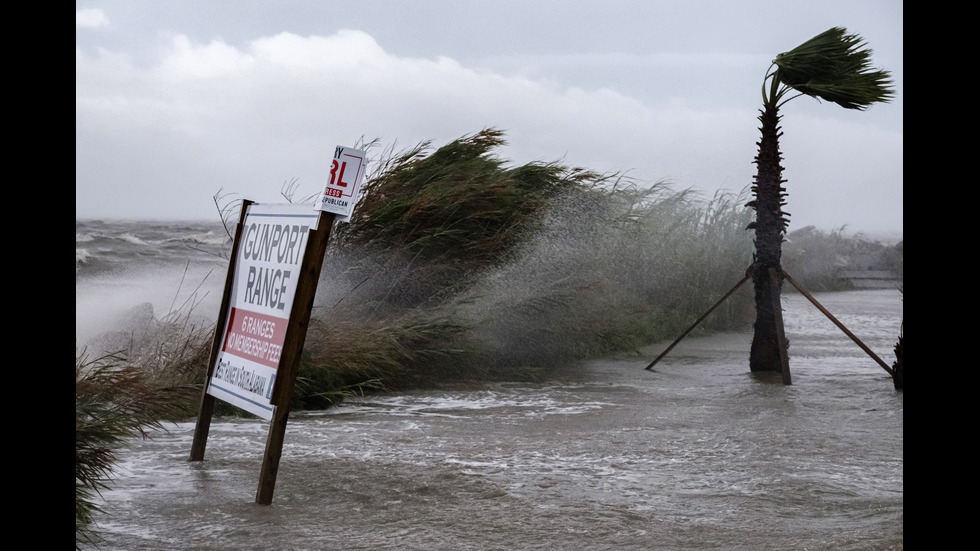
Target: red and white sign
[271,248]
[344,185]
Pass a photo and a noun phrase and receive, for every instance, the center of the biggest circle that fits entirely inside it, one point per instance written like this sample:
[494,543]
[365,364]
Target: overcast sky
[177,100]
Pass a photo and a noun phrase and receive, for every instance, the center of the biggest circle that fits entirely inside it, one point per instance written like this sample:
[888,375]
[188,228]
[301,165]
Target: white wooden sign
[273,243]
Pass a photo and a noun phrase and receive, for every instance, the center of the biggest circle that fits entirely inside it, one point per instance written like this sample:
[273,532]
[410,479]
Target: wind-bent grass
[114,400]
[502,272]
[408,351]
[429,220]
[155,376]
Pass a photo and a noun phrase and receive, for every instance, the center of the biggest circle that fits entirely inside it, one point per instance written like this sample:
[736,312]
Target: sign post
[206,411]
[299,322]
[265,312]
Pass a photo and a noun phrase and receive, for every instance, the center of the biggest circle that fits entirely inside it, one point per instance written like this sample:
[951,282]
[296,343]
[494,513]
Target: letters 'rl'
[335,179]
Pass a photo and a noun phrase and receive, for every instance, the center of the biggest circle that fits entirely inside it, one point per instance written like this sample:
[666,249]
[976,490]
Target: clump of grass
[153,374]
[534,266]
[429,220]
[114,400]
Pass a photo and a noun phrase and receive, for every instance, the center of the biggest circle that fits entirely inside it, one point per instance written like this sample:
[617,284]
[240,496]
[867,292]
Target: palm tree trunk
[768,351]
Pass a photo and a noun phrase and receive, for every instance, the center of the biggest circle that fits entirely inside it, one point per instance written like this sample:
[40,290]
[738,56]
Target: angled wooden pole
[299,322]
[748,275]
[777,312]
[206,411]
[839,325]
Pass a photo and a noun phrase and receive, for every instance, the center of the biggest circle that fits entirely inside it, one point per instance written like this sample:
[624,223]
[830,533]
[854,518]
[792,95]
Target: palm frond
[834,66]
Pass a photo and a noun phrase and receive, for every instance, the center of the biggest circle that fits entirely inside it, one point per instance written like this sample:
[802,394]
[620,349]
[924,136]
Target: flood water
[698,454]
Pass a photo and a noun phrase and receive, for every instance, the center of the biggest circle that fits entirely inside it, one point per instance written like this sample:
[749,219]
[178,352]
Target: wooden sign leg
[206,411]
[273,453]
[777,312]
[299,321]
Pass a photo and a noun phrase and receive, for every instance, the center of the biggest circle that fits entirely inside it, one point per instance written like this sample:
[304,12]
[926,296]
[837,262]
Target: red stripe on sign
[255,337]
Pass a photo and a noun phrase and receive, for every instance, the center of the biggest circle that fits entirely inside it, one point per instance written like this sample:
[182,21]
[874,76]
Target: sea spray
[609,271]
[145,270]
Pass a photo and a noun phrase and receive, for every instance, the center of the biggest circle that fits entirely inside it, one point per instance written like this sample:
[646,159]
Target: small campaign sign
[344,184]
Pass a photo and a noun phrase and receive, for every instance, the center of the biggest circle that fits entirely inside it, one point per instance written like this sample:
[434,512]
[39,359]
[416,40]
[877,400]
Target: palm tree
[832,66]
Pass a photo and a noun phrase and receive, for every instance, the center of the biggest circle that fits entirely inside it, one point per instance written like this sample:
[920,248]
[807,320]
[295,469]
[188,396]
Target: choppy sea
[123,267]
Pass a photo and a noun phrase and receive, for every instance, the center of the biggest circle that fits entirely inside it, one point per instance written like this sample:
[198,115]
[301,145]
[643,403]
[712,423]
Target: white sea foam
[130,238]
[454,405]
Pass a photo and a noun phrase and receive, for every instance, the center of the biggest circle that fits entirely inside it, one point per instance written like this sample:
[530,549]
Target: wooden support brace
[839,324]
[777,312]
[748,275]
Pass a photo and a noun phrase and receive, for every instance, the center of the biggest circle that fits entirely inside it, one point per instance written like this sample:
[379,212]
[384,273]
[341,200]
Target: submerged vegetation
[458,268]
[155,377]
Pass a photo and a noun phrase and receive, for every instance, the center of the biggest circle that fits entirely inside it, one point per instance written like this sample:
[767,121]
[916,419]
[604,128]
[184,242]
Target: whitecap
[130,238]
